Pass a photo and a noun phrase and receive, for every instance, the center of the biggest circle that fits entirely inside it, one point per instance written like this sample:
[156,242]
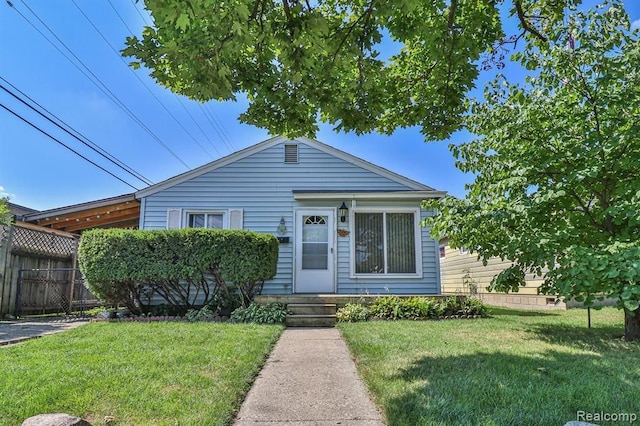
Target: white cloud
[4,193]
[635,24]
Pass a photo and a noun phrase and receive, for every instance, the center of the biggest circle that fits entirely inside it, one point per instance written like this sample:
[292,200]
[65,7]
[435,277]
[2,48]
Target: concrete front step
[310,320]
[311,314]
[312,308]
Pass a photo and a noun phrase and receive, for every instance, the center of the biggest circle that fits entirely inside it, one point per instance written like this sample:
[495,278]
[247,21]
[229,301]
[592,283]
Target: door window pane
[314,256]
[315,242]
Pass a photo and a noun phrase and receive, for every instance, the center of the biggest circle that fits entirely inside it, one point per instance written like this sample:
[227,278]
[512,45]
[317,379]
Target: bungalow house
[345,226]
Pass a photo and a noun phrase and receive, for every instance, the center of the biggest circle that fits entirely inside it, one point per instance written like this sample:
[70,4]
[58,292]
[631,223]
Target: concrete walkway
[309,379]
[20,330]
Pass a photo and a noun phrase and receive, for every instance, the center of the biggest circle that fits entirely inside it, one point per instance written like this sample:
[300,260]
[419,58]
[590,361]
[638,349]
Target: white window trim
[224,213]
[418,242]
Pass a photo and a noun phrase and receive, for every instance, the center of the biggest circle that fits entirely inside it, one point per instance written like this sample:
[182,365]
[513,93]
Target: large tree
[300,61]
[557,166]
[556,161]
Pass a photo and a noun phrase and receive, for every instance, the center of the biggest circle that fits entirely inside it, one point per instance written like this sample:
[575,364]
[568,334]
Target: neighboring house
[345,225]
[462,273]
[38,253]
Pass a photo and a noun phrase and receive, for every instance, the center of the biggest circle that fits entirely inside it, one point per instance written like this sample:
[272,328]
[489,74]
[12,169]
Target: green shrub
[451,305]
[434,308]
[353,312]
[386,307]
[414,308]
[396,308]
[202,314]
[184,267]
[271,313]
[473,306]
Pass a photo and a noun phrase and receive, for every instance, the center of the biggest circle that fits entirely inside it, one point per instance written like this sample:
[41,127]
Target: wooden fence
[37,271]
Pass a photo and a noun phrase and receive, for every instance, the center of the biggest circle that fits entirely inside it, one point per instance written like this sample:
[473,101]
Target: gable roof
[153,189]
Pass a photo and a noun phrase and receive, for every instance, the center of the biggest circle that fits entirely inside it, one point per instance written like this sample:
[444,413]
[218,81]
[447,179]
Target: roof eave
[386,195]
[79,207]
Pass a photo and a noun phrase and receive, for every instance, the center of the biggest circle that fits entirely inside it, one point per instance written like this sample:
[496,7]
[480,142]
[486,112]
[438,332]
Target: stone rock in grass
[57,419]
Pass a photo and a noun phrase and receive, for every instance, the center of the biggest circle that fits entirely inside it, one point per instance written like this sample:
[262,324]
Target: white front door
[314,251]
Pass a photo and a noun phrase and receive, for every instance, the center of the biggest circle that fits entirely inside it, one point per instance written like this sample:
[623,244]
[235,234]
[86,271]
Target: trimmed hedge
[184,266]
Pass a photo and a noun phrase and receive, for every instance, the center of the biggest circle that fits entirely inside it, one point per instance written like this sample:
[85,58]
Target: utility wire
[216,124]
[66,146]
[138,77]
[104,88]
[221,135]
[93,146]
[144,20]
[197,125]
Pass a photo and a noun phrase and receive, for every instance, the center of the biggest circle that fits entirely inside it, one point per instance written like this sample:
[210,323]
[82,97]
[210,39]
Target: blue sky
[39,173]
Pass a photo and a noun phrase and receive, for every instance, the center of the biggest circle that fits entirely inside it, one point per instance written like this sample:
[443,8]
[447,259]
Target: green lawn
[514,368]
[139,373]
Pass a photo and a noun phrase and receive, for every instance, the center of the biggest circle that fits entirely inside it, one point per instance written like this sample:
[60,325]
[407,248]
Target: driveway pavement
[20,330]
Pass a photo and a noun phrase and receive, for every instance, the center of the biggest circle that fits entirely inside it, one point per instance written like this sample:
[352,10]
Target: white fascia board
[391,195]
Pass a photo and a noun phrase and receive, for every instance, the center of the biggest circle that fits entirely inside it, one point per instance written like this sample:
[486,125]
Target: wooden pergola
[116,212]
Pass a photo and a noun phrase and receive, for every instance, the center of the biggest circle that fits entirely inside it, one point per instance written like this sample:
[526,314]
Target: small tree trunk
[632,325]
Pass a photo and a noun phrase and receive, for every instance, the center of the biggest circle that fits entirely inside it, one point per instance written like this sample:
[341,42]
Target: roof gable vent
[291,154]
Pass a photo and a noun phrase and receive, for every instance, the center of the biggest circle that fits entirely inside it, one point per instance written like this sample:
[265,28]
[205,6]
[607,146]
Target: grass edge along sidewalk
[513,368]
[136,373]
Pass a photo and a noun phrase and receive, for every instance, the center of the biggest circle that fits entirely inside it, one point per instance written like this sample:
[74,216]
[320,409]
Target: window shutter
[235,219]
[174,219]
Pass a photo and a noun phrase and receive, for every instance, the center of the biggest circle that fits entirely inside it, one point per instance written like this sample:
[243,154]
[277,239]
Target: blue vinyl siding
[261,184]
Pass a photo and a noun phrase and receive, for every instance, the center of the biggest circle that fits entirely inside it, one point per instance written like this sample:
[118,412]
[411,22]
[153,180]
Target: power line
[87,142]
[95,79]
[196,123]
[213,118]
[66,146]
[138,77]
[221,135]
[144,20]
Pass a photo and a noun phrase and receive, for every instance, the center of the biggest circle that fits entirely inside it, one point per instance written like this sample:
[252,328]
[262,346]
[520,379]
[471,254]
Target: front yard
[515,368]
[135,373]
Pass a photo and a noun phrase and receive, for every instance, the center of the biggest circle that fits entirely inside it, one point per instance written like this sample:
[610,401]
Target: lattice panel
[46,294]
[43,243]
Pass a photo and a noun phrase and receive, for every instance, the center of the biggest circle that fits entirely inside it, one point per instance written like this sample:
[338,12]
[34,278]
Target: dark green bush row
[397,308]
[184,267]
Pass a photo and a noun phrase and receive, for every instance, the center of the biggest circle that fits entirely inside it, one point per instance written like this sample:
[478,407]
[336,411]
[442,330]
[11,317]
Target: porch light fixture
[282,228]
[342,211]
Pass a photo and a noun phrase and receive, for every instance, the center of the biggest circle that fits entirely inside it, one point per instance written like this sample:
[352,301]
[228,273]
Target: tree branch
[525,24]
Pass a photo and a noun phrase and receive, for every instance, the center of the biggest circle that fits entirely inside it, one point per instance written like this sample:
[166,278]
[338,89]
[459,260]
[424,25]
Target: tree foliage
[5,214]
[299,61]
[556,161]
